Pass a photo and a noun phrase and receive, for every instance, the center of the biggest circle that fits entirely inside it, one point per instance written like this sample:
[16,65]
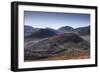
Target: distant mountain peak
[28,30]
[66,29]
[83,30]
[43,33]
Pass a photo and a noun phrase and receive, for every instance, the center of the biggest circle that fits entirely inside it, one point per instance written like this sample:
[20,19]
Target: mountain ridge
[30,31]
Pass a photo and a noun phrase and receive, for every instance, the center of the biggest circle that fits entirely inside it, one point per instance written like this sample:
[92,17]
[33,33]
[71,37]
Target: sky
[55,20]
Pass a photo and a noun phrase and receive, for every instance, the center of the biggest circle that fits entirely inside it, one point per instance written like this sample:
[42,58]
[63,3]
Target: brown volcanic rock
[67,37]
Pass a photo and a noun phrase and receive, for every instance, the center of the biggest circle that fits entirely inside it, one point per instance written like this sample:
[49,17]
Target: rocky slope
[55,45]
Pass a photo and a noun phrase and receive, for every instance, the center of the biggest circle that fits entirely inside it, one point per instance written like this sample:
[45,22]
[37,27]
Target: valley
[48,44]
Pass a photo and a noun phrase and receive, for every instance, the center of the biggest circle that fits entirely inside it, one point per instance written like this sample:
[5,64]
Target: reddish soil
[82,55]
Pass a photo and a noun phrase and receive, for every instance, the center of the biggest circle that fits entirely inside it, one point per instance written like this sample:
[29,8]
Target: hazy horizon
[55,20]
[57,28]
